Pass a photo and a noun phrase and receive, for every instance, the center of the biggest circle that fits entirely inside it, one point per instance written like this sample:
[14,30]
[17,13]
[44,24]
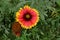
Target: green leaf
[58,2]
[42,16]
[58,38]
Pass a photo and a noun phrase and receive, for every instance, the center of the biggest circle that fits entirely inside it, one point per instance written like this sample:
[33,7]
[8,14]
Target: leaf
[58,38]
[58,2]
[42,16]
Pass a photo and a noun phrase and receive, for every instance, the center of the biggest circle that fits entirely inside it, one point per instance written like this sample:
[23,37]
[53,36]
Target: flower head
[27,17]
[16,29]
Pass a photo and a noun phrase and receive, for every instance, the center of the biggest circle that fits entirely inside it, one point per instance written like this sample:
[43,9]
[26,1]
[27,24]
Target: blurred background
[48,28]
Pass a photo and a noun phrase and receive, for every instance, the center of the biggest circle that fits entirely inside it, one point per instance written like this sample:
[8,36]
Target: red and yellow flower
[27,17]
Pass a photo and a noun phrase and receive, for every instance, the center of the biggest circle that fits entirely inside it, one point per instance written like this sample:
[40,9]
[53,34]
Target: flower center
[27,16]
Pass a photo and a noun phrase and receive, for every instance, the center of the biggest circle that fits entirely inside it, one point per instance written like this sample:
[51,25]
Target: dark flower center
[27,16]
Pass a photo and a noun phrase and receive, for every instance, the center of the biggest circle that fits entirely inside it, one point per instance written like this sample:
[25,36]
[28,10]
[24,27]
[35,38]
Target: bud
[16,29]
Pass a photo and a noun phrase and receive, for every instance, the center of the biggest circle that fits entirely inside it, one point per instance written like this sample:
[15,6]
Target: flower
[27,17]
[16,29]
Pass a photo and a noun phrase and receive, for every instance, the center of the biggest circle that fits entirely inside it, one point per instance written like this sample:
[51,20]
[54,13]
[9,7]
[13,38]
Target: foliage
[48,28]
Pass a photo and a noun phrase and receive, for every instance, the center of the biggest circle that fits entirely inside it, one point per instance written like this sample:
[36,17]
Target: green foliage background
[48,28]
